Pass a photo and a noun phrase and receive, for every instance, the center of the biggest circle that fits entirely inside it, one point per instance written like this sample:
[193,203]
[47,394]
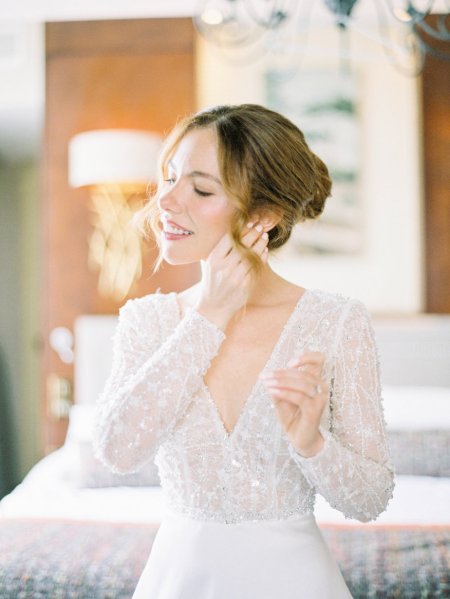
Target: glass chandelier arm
[231,27]
[414,50]
[410,14]
[276,27]
[381,38]
[429,49]
[277,16]
[441,32]
[342,9]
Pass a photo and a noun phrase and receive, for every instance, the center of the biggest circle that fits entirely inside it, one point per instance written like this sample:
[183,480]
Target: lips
[174,229]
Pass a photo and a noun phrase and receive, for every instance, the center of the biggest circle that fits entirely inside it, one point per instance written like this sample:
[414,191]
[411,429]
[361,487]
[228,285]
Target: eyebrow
[205,175]
[198,174]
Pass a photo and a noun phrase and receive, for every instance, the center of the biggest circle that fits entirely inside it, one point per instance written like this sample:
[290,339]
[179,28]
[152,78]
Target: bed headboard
[414,350]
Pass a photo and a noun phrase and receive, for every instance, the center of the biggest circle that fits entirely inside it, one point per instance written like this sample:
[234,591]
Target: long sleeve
[352,470]
[152,382]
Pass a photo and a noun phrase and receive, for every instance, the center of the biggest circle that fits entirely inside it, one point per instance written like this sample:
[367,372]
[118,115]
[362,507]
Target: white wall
[387,274]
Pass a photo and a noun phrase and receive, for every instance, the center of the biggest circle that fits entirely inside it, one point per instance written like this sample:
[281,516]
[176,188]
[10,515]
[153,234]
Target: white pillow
[417,408]
[81,424]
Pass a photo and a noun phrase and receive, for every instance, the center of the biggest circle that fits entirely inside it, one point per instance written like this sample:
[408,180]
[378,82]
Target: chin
[178,260]
[181,252]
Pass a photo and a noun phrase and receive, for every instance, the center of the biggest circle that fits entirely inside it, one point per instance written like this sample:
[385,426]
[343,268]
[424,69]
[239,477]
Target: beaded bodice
[157,403]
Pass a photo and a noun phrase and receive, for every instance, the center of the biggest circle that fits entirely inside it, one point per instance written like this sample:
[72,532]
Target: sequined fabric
[156,402]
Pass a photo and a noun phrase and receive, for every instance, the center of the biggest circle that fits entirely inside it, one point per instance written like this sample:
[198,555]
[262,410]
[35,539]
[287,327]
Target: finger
[257,242]
[291,375]
[294,362]
[302,381]
[294,384]
[222,248]
[305,375]
[299,399]
[235,274]
[233,259]
[287,413]
[319,390]
[261,243]
[251,236]
[315,358]
[310,361]
[292,397]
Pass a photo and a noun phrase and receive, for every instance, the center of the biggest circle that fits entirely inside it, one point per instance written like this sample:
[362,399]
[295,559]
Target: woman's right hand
[227,278]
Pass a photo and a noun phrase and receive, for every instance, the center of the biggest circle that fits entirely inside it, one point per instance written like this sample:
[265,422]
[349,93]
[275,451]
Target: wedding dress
[240,521]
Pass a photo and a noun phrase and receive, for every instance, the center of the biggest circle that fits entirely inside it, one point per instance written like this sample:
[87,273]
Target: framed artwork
[324,105]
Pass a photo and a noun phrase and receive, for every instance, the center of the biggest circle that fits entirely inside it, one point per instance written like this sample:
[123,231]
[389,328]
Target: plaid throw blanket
[88,560]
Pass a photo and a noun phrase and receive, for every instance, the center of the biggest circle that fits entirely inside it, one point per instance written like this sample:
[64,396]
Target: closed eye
[204,194]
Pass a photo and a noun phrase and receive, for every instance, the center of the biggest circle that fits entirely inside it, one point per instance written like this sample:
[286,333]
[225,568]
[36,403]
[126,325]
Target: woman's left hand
[300,395]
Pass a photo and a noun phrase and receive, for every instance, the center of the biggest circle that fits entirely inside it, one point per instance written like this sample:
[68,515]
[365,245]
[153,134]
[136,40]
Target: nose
[168,199]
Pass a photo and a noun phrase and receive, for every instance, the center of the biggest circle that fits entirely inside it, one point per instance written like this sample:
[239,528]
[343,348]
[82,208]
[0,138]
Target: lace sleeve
[151,384]
[353,471]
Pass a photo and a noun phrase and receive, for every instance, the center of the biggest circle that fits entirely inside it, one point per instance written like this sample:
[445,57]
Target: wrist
[311,449]
[218,317]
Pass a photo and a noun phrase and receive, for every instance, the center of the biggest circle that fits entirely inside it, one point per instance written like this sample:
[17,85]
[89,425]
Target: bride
[253,393]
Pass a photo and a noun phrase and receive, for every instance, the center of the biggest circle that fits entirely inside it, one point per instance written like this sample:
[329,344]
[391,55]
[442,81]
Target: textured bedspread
[59,559]
[387,562]
[87,560]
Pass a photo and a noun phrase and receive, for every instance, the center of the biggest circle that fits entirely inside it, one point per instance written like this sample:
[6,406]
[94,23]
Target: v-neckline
[228,434]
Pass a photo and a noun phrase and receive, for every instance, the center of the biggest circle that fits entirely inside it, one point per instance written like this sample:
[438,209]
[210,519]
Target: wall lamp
[116,165]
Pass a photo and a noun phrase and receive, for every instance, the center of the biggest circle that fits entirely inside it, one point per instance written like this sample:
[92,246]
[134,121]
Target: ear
[266,218]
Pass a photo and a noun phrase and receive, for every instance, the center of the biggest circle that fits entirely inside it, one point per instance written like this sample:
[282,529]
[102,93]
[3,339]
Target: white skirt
[287,559]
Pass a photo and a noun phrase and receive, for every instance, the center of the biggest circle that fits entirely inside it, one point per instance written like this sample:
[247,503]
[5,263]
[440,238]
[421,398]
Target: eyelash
[203,194]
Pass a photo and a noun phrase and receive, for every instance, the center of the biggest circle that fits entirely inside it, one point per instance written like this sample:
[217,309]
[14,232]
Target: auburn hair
[265,166]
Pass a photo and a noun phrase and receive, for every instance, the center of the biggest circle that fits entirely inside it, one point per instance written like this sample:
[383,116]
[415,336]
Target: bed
[72,529]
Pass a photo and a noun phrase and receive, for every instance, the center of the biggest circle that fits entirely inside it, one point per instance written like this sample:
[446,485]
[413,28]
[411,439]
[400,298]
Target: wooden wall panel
[436,140]
[103,74]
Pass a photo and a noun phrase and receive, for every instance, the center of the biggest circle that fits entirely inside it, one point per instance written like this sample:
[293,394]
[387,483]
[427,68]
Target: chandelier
[407,30]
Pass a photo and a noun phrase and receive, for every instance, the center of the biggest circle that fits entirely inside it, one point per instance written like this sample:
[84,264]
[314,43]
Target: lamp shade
[113,156]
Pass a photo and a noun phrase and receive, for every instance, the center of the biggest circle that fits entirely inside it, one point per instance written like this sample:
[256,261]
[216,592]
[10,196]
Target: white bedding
[49,491]
[414,355]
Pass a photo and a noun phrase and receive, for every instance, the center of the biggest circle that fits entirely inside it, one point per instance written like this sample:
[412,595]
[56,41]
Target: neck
[267,288]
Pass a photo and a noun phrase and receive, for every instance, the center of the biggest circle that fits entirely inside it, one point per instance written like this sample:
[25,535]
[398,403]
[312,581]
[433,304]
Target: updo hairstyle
[265,166]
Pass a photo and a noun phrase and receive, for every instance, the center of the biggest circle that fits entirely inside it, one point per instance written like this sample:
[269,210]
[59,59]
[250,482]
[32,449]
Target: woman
[253,393]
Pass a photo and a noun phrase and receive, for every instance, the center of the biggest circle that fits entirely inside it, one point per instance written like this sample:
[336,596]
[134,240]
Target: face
[194,210]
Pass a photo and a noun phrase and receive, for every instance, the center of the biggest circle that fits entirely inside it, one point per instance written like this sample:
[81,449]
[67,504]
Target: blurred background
[377,118]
